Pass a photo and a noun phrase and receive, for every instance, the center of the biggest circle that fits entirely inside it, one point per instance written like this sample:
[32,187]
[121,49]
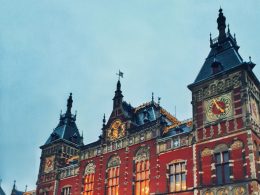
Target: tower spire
[118,98]
[104,120]
[69,104]
[14,185]
[221,25]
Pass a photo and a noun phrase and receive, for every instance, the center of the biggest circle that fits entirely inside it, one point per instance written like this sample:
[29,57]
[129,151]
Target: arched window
[142,171]
[113,175]
[89,176]
[221,155]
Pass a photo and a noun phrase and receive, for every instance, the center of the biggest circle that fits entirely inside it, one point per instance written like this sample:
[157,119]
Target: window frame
[173,172]
[222,168]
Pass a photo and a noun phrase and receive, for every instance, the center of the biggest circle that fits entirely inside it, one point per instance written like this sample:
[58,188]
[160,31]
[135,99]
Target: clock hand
[218,107]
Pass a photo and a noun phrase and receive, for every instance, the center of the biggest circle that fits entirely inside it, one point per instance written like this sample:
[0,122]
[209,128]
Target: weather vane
[120,74]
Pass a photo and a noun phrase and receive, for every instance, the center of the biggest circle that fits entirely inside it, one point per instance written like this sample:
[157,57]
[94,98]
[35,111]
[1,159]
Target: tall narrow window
[222,167]
[142,172]
[89,177]
[66,191]
[113,176]
[177,177]
[89,184]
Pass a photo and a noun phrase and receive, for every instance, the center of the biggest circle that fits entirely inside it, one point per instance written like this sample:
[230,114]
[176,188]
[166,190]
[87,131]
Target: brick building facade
[146,150]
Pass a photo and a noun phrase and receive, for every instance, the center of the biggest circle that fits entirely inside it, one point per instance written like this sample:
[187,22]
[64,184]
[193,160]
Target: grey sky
[51,48]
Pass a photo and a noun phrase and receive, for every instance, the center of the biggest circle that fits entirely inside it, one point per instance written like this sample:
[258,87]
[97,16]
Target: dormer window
[216,67]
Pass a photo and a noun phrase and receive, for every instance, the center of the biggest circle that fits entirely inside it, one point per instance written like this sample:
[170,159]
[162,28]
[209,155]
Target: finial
[104,120]
[228,29]
[14,184]
[235,37]
[250,59]
[60,112]
[69,104]
[159,99]
[120,74]
[118,86]
[152,97]
[210,39]
[0,182]
[26,188]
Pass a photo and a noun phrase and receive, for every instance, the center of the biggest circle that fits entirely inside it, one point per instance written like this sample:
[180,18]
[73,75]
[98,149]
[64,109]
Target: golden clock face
[254,110]
[49,164]
[218,107]
[116,130]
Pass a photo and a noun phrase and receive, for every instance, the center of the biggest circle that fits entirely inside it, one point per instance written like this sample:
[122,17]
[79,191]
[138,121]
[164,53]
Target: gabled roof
[152,111]
[175,129]
[67,128]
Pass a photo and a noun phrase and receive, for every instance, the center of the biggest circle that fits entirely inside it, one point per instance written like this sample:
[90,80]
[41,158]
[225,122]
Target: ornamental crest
[236,145]
[206,152]
[90,168]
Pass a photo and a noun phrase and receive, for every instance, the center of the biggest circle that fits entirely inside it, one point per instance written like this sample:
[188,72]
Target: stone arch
[142,154]
[220,148]
[113,161]
[90,168]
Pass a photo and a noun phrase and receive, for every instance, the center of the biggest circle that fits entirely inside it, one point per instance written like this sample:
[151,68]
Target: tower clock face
[116,130]
[254,110]
[218,107]
[49,164]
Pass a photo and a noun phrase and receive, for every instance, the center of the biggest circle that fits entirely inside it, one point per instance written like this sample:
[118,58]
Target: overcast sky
[51,48]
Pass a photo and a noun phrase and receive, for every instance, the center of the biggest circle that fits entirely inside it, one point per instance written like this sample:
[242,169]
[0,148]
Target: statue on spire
[69,104]
[221,25]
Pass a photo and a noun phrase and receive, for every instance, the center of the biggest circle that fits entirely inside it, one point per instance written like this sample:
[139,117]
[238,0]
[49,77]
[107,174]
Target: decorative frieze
[218,86]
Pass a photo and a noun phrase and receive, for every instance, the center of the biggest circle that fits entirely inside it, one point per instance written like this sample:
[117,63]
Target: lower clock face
[218,107]
[116,130]
[49,164]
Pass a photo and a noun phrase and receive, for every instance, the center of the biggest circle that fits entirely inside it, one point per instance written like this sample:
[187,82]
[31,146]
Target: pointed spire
[221,25]
[118,98]
[210,39]
[14,185]
[69,104]
[26,188]
[104,120]
[152,98]
[118,85]
[228,29]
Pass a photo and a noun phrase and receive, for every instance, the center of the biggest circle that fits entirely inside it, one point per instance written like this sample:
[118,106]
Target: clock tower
[225,103]
[220,99]
[61,146]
